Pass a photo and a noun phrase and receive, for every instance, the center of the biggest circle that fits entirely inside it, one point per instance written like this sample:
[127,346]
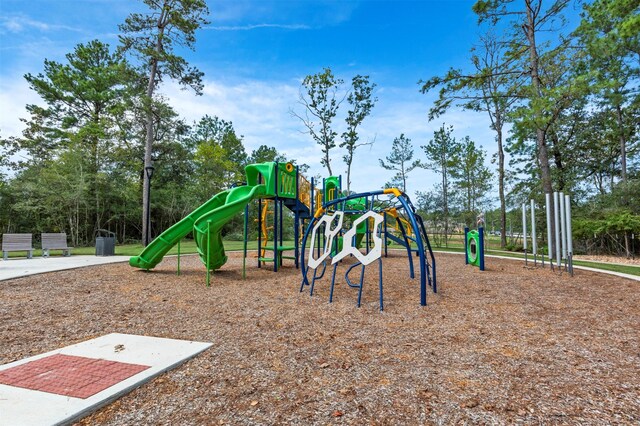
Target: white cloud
[20,23]
[260,111]
[14,95]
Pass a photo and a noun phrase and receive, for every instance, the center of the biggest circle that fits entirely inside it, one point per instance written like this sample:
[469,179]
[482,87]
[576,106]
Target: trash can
[105,243]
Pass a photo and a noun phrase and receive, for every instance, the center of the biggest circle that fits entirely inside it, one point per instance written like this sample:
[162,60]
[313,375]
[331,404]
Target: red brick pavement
[68,375]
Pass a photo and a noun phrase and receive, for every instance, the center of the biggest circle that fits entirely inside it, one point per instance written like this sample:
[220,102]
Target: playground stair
[298,207]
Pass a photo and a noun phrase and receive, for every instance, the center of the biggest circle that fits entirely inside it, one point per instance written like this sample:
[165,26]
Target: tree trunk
[348,177]
[557,159]
[503,204]
[541,143]
[623,145]
[148,146]
[627,245]
[446,206]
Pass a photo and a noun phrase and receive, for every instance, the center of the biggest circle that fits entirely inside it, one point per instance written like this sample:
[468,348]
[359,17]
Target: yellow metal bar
[394,191]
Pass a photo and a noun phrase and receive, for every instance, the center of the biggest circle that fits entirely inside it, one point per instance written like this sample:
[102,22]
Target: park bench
[55,242]
[17,242]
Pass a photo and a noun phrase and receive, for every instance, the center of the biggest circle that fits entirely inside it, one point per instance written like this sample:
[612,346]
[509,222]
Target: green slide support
[206,222]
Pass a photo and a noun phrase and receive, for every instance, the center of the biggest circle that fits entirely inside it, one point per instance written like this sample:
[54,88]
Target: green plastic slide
[206,222]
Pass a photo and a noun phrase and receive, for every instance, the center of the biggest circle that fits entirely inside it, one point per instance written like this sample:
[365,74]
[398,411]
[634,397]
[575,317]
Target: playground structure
[474,245]
[368,212]
[277,185]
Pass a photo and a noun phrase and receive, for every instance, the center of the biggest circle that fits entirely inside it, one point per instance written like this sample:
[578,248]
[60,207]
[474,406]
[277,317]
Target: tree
[613,48]
[219,155]
[216,131]
[441,152]
[361,102]
[318,96]
[471,177]
[528,22]
[400,160]
[490,88]
[84,97]
[264,154]
[153,38]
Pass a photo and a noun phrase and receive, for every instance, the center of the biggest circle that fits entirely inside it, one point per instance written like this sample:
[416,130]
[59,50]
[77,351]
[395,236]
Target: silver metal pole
[556,221]
[534,243]
[563,227]
[524,231]
[567,208]
[549,236]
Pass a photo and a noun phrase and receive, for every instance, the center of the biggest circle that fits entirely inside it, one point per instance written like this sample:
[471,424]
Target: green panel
[359,204]
[331,188]
[268,173]
[338,249]
[473,248]
[286,180]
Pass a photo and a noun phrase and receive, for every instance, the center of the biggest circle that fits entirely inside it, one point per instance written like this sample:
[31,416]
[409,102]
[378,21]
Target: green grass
[458,248]
[625,269]
[189,247]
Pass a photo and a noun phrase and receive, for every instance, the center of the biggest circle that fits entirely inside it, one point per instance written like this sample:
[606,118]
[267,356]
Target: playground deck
[506,345]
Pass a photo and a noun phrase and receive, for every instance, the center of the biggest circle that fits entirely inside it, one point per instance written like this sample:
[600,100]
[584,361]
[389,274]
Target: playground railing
[304,192]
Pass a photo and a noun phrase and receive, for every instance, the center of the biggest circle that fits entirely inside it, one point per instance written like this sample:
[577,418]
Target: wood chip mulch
[508,345]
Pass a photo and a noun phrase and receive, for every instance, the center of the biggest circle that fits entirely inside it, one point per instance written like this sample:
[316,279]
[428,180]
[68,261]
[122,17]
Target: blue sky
[254,55]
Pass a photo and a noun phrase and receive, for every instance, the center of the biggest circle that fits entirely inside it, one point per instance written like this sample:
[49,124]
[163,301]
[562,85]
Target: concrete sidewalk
[15,268]
[64,385]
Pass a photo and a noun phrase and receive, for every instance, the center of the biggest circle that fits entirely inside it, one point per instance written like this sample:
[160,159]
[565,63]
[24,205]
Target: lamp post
[148,170]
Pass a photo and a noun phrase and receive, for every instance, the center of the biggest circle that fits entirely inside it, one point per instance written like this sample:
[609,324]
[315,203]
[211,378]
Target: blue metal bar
[434,285]
[346,275]
[466,253]
[296,221]
[350,284]
[366,233]
[481,249]
[386,235]
[305,280]
[280,228]
[324,191]
[259,231]
[380,283]
[407,244]
[361,285]
[318,277]
[333,282]
[275,221]
[423,267]
[296,237]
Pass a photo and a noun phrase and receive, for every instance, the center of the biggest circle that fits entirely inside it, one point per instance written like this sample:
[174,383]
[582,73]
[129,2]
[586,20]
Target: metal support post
[524,231]
[534,243]
[178,271]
